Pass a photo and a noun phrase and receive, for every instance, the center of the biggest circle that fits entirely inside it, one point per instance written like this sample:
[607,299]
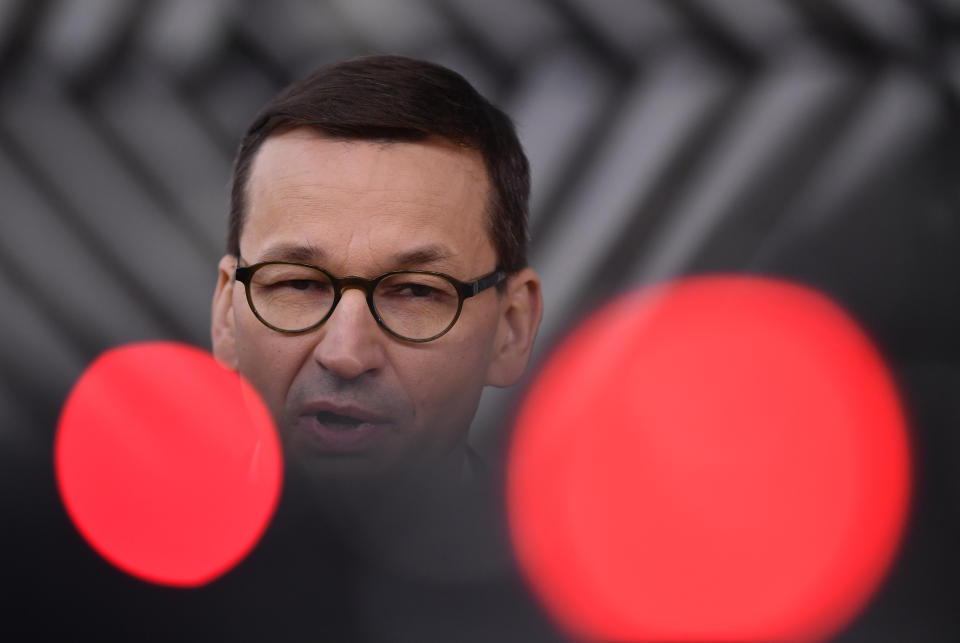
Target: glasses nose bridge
[364,284]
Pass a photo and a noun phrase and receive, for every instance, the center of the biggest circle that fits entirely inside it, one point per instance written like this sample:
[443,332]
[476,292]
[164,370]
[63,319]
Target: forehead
[359,204]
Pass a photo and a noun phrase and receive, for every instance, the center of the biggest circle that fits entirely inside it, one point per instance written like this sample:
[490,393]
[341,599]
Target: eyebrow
[298,253]
[428,254]
[308,253]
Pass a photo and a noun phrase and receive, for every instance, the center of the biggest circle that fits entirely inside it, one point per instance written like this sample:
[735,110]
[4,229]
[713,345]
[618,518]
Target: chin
[376,471]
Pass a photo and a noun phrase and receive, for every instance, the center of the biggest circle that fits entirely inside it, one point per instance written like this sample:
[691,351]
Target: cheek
[446,381]
[269,361]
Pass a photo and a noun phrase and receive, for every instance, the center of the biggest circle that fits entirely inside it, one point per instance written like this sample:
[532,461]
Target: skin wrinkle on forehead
[429,256]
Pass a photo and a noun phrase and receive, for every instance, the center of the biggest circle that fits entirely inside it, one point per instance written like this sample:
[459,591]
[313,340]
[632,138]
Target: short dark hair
[394,98]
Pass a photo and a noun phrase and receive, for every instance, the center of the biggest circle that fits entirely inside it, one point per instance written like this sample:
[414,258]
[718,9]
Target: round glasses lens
[415,305]
[291,297]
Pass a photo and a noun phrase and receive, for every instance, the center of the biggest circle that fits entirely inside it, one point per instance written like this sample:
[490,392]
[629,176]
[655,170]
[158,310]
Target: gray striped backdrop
[817,140]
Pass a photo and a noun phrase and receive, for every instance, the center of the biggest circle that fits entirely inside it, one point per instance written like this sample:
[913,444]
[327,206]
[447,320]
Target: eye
[297,284]
[303,285]
[417,290]
[415,287]
[412,290]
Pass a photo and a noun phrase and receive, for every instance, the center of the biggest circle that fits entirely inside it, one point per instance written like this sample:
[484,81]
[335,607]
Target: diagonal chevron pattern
[815,140]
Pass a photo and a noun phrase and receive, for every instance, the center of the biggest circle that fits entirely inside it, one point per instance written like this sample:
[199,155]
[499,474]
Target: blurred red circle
[715,459]
[167,462]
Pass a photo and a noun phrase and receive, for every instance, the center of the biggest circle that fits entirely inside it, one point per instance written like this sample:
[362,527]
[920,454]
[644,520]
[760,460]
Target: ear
[521,307]
[222,320]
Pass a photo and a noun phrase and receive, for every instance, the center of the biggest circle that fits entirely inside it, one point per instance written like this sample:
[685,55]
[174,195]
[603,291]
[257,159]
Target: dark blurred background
[815,140]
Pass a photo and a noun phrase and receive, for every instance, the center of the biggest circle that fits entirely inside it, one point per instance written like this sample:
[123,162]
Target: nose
[351,342]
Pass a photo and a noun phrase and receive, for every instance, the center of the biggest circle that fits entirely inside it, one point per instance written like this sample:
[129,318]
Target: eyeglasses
[413,305]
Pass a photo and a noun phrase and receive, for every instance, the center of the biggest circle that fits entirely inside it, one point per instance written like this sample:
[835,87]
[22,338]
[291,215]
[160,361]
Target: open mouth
[338,422]
[344,429]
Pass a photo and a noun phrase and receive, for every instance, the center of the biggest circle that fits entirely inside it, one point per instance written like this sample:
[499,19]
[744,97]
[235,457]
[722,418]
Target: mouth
[338,421]
[331,430]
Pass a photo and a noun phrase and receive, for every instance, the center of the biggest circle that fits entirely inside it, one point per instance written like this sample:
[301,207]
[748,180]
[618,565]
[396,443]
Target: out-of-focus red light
[167,463]
[716,459]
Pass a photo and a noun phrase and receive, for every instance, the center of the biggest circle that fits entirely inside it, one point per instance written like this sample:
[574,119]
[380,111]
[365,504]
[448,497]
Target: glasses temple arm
[486,282]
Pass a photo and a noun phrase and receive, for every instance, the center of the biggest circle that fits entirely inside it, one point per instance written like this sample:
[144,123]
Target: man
[375,282]
[364,169]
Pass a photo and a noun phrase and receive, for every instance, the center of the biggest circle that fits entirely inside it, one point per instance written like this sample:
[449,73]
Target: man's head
[362,168]
[392,98]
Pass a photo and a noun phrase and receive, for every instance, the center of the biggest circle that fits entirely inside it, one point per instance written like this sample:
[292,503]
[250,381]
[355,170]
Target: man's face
[347,396]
